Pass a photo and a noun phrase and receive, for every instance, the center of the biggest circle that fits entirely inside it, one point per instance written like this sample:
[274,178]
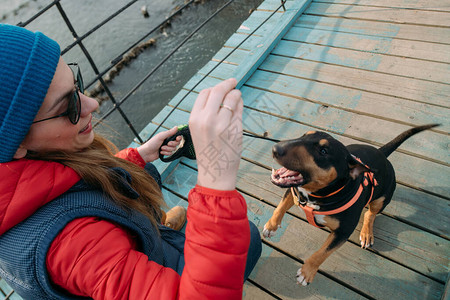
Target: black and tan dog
[332,184]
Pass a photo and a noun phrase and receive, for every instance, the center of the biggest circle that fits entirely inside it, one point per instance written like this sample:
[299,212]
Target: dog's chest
[301,198]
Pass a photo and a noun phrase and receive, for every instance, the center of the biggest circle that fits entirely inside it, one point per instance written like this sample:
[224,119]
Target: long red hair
[94,165]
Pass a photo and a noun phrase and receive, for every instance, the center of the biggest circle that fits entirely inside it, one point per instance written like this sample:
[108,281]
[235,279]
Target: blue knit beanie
[27,64]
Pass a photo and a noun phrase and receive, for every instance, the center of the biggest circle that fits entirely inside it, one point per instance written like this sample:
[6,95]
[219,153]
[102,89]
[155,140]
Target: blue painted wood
[328,95]
[386,14]
[374,28]
[372,44]
[437,5]
[257,56]
[399,242]
[413,206]
[7,291]
[300,240]
[347,121]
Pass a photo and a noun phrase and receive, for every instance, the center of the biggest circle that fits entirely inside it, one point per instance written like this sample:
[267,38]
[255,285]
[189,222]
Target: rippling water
[117,35]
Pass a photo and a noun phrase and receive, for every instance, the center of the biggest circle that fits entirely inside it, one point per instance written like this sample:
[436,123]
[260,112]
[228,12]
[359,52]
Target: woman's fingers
[201,101]
[229,105]
[218,94]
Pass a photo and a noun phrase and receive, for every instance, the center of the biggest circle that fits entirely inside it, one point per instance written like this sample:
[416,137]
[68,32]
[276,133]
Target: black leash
[261,137]
[186,147]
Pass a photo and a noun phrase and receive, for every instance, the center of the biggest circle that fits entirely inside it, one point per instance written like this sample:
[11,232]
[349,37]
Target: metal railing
[99,74]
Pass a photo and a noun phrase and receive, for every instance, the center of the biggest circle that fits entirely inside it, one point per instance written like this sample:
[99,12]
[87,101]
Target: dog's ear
[356,167]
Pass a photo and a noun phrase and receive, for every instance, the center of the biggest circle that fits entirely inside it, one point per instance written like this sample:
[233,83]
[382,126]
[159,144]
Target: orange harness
[310,212]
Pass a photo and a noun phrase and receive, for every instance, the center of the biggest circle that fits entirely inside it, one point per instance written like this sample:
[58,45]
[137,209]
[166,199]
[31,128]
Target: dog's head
[313,162]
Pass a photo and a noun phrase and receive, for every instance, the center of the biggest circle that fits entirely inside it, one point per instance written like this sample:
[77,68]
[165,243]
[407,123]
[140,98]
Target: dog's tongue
[286,178]
[283,173]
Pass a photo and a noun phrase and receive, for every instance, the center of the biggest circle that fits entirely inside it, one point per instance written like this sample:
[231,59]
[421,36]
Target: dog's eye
[323,151]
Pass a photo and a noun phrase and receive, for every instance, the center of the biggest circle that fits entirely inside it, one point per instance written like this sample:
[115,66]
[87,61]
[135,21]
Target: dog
[332,183]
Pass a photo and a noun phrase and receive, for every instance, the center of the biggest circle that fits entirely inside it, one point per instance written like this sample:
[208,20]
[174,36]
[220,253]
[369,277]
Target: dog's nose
[278,151]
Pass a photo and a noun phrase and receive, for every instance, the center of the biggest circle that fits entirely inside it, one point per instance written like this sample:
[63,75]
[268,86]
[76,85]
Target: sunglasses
[73,111]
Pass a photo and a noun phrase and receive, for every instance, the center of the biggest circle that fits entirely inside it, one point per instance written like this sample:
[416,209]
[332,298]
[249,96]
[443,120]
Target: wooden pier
[364,71]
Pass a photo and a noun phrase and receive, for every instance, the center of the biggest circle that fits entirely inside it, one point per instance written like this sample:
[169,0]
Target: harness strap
[310,212]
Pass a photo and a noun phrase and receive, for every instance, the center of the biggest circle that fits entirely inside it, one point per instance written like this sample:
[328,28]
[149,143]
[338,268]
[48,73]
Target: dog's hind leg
[275,221]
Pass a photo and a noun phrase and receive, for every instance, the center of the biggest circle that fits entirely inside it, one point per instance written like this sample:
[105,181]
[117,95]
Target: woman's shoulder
[85,248]
[30,184]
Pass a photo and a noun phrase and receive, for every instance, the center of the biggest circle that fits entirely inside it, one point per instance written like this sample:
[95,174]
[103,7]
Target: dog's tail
[395,143]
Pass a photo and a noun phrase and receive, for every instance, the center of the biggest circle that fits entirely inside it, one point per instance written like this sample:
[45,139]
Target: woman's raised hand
[216,129]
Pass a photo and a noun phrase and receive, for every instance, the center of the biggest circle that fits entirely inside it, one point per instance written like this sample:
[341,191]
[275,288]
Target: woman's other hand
[149,151]
[216,129]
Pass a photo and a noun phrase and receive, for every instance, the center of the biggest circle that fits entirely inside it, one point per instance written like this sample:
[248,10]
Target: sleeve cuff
[132,155]
[218,193]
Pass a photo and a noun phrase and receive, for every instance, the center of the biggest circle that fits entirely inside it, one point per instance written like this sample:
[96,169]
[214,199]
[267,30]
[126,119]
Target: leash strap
[186,147]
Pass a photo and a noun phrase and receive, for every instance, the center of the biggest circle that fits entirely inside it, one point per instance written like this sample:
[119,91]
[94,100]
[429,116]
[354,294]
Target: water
[124,30]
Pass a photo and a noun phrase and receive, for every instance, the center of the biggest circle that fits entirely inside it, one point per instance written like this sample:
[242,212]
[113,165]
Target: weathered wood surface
[299,240]
[254,180]
[364,72]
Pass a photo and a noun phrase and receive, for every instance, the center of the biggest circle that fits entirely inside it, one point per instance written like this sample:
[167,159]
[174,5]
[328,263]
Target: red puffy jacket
[95,258]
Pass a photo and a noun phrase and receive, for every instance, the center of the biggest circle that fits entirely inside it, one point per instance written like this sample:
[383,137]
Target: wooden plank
[250,291]
[403,243]
[265,20]
[381,14]
[401,66]
[374,28]
[331,95]
[340,99]
[355,125]
[384,84]
[276,272]
[438,5]
[173,200]
[446,294]
[372,44]
[6,290]
[366,46]
[257,56]
[347,263]
[427,144]
[185,178]
[272,5]
[4,287]
[360,80]
[412,205]
[253,292]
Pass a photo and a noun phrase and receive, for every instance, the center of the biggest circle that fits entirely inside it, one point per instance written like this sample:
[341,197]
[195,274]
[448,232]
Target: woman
[78,222]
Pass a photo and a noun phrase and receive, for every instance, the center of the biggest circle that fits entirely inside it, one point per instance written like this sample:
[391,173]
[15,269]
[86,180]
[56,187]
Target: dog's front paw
[268,233]
[366,240]
[306,274]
